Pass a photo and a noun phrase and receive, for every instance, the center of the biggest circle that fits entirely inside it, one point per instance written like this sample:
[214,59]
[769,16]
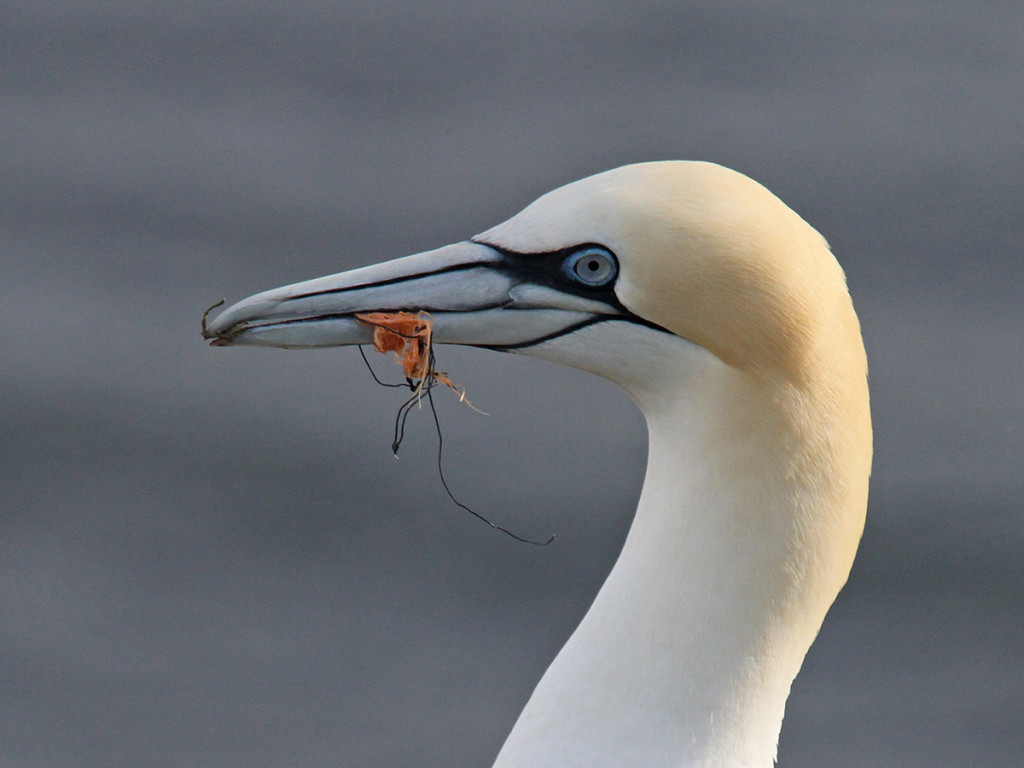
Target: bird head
[646,254]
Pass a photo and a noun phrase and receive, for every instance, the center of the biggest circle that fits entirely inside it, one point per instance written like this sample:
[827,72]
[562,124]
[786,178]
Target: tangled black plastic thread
[399,435]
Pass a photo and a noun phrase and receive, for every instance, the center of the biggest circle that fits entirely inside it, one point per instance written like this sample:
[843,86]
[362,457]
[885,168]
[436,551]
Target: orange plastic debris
[407,335]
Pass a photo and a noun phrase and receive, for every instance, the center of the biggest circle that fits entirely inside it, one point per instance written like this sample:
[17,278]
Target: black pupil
[592,266]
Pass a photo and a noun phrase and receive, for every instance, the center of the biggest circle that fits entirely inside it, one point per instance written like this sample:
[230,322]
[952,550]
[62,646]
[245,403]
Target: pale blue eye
[591,266]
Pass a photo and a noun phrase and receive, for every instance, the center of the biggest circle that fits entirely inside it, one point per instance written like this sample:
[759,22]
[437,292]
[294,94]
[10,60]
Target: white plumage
[727,319]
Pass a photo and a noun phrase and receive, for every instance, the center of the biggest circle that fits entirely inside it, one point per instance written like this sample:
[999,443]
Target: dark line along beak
[467,287]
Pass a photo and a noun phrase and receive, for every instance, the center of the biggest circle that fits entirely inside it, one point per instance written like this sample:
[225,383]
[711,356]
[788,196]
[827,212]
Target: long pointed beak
[468,288]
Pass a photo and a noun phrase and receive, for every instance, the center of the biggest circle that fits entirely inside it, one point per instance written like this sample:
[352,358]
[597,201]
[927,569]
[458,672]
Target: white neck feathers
[743,536]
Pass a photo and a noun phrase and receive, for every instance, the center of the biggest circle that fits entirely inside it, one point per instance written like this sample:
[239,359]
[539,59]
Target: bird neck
[687,654]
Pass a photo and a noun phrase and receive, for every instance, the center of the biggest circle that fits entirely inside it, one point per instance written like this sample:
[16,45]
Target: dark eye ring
[592,266]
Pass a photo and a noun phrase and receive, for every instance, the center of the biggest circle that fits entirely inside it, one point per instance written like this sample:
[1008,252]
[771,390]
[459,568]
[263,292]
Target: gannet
[727,320]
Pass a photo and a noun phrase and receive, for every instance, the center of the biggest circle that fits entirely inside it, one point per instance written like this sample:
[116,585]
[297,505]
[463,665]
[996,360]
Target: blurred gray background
[209,557]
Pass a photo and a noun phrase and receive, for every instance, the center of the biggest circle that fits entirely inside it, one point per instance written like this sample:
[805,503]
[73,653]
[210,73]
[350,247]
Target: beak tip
[223,334]
[204,326]
[222,330]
